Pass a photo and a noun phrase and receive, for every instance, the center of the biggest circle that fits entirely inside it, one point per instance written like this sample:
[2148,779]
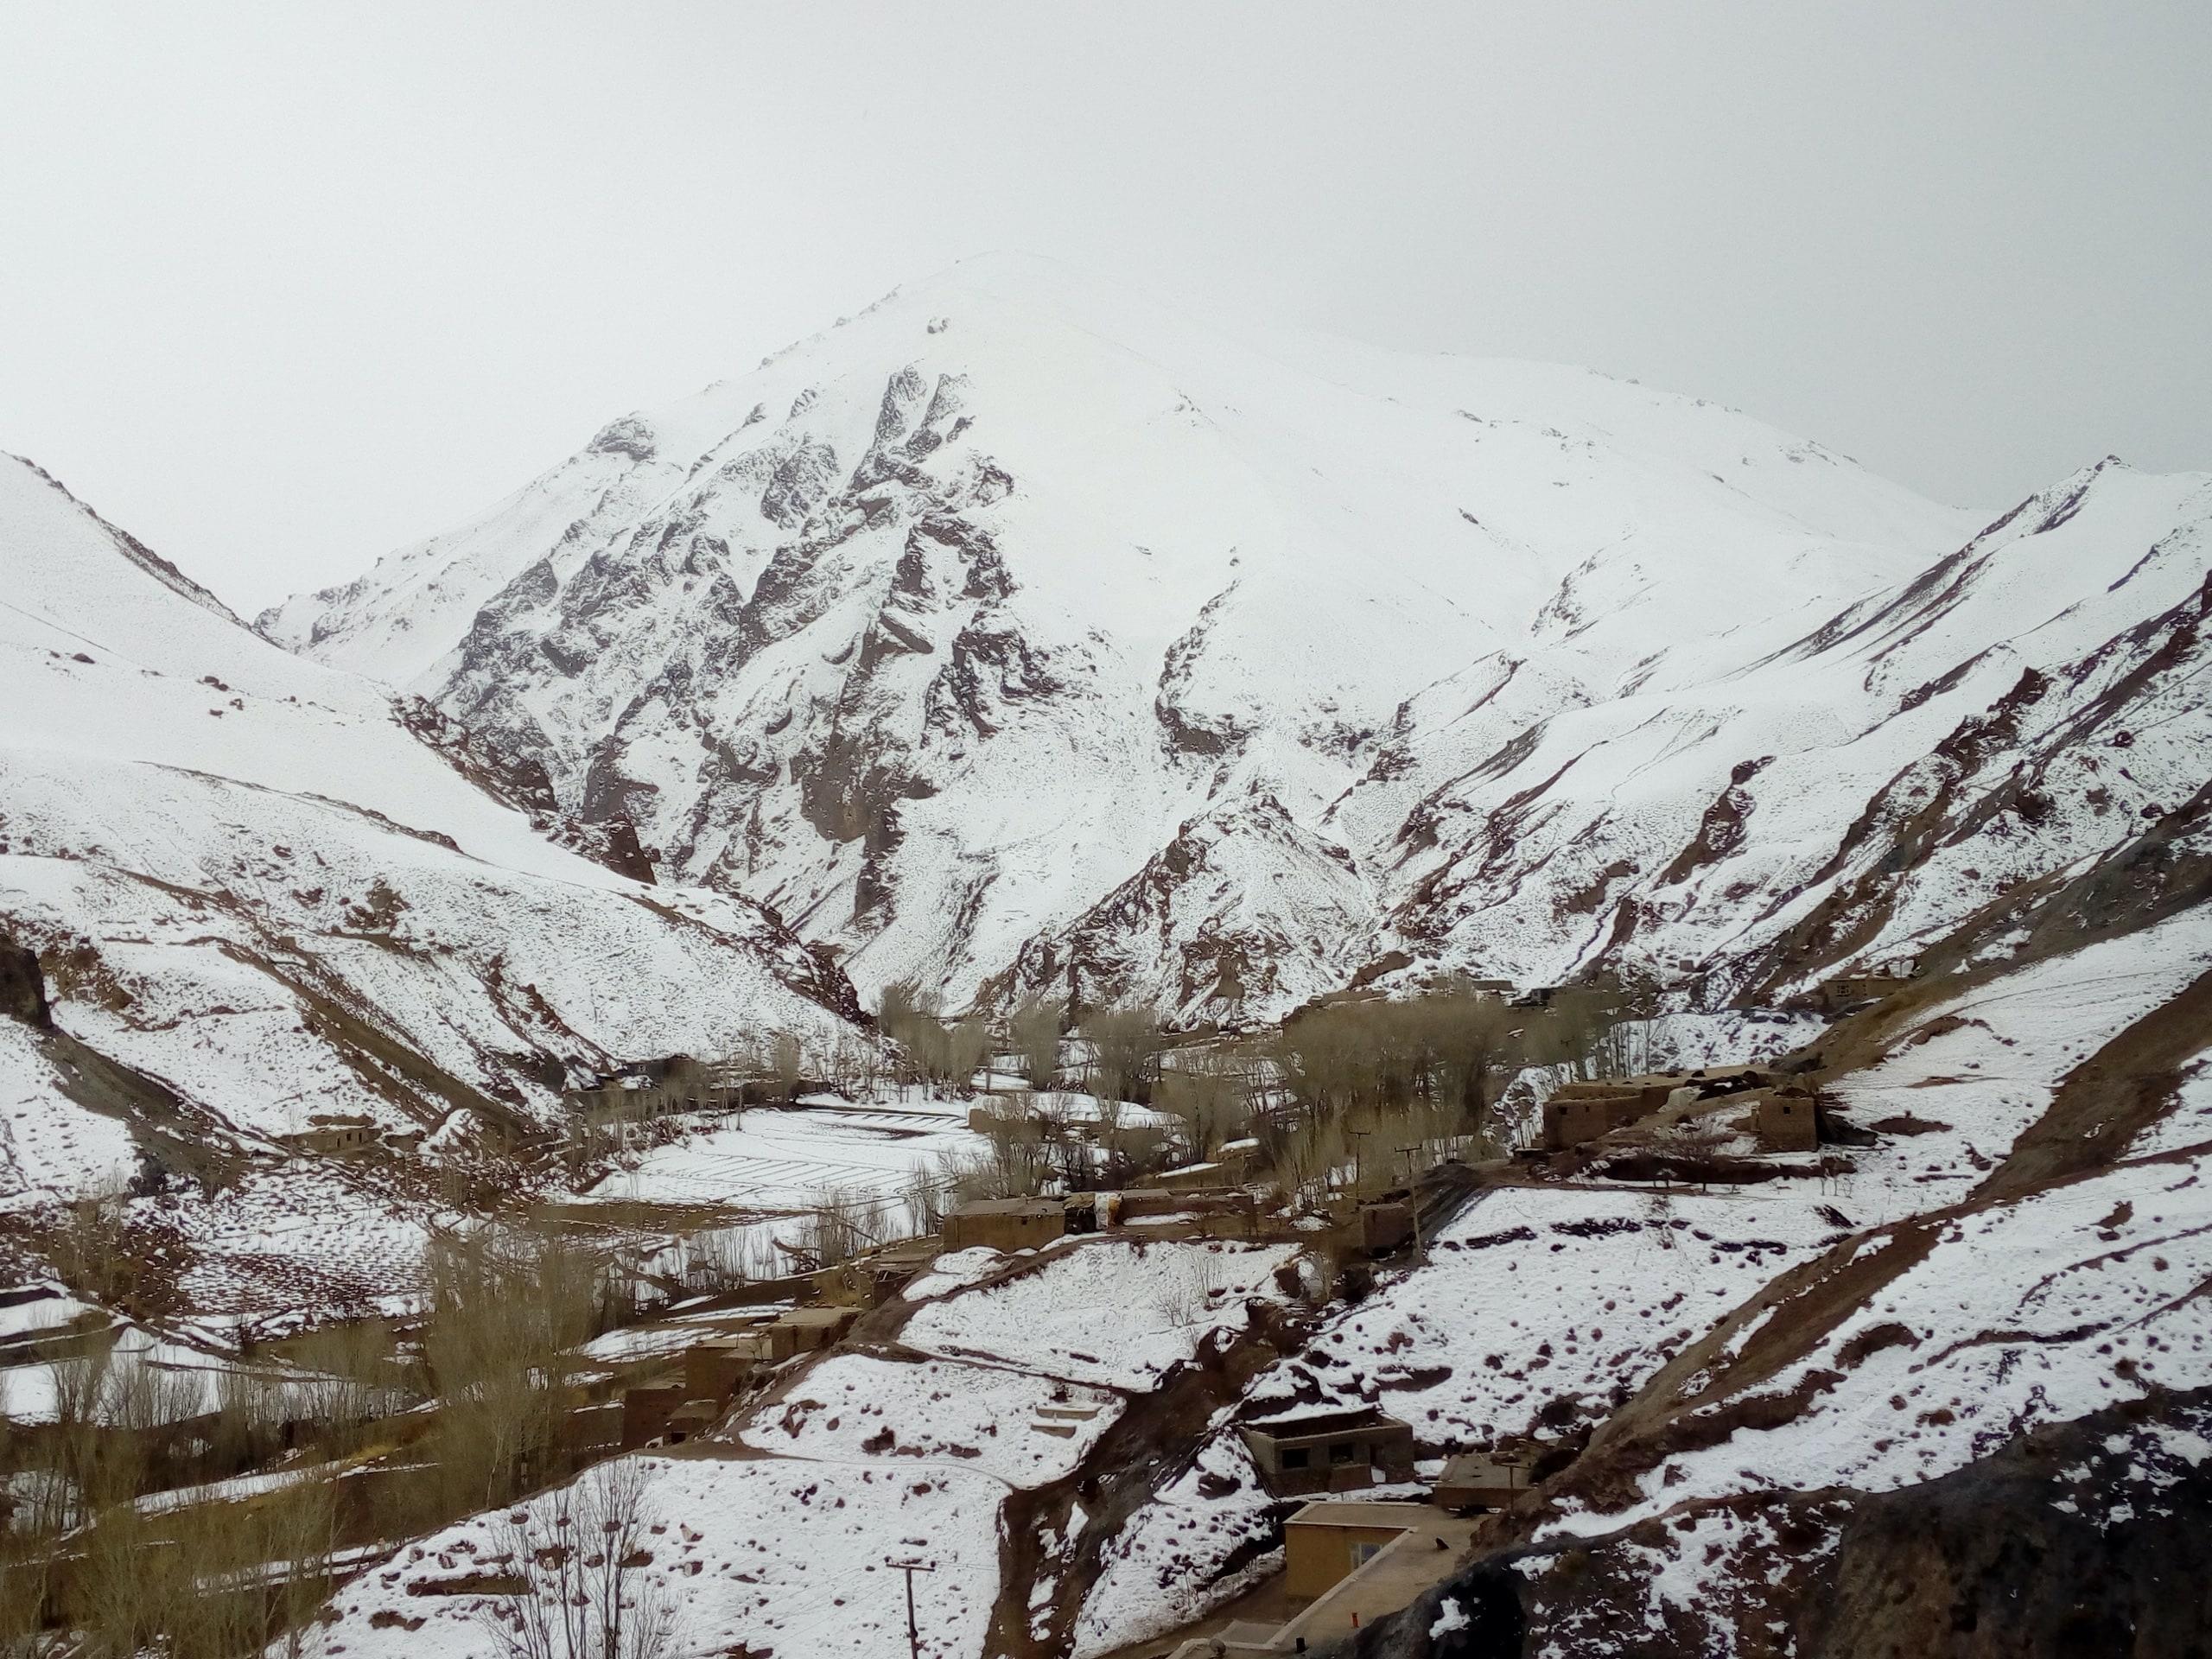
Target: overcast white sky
[283,286]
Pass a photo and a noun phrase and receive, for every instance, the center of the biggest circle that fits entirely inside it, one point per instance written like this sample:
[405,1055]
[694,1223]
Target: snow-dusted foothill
[260,898]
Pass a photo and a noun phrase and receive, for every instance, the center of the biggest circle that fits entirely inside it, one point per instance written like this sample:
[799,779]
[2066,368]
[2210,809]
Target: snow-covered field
[1105,1311]
[1024,1428]
[785,1557]
[788,1158]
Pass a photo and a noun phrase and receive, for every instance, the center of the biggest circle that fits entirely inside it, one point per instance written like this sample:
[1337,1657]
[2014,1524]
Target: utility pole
[913,1634]
[1358,1159]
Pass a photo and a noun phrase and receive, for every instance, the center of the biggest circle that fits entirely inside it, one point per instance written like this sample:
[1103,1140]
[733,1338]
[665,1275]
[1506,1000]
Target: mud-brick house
[1850,991]
[690,1420]
[1330,1450]
[1218,1212]
[1192,1177]
[1582,1111]
[1383,1228]
[1482,1480]
[815,1327]
[331,1135]
[872,1280]
[645,1412]
[593,1431]
[1786,1120]
[1325,1543]
[1006,1223]
[1231,1165]
[768,1343]
[715,1370]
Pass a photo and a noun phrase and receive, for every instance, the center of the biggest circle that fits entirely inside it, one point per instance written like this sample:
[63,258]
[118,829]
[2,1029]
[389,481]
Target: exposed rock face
[1018,636]
[2089,1537]
[22,987]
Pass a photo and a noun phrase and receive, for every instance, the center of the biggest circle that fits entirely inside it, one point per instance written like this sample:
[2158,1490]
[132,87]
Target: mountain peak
[967,632]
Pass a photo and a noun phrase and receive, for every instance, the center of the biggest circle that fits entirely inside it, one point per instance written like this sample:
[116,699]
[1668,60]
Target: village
[1221,1201]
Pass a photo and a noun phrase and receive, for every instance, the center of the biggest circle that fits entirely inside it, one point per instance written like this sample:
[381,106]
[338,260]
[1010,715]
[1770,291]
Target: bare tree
[581,1556]
[841,1222]
[967,1048]
[789,1060]
[1206,1094]
[1020,1156]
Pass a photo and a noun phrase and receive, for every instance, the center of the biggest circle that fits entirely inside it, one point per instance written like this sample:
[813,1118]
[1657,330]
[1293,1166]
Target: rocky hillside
[261,892]
[1020,633]
[1939,1389]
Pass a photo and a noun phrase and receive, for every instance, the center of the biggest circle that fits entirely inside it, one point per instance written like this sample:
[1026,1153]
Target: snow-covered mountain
[263,888]
[1021,633]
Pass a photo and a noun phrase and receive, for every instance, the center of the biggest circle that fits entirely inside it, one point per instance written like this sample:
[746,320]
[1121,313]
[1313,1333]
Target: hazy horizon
[280,291]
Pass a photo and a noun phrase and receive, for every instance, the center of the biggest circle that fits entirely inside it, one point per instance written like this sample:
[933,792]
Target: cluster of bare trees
[1382,1085]
[508,1303]
[98,1562]
[343,1378]
[1208,1091]
[946,1053]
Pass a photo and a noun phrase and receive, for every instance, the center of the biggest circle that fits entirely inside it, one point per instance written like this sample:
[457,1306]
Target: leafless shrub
[1190,1296]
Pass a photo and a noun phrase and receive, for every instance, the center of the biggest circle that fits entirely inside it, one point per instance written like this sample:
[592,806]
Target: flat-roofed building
[1327,1541]
[815,1327]
[1482,1480]
[715,1370]
[1006,1223]
[1330,1450]
[1385,1227]
[645,1413]
[1786,1120]
[690,1420]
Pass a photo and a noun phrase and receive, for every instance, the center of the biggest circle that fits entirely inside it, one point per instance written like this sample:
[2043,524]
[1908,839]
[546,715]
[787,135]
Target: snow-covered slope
[252,882]
[1019,632]
[2009,1245]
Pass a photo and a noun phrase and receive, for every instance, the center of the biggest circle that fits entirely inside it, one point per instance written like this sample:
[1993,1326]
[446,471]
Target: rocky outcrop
[22,986]
[2081,1538]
